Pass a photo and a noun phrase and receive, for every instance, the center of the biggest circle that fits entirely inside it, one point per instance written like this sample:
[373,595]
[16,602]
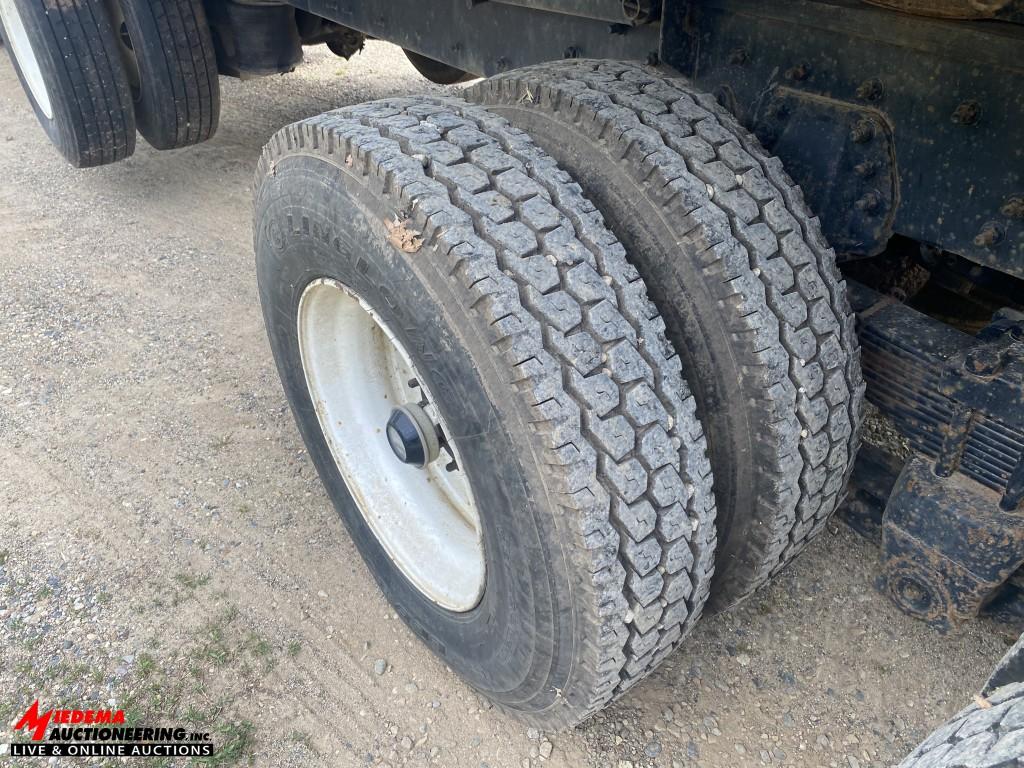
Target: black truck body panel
[891,123]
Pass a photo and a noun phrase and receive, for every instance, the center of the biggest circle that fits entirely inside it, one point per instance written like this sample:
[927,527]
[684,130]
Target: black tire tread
[978,736]
[722,192]
[570,317]
[181,48]
[85,49]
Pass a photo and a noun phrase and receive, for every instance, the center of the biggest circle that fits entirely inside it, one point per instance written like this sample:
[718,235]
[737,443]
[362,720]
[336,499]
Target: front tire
[549,369]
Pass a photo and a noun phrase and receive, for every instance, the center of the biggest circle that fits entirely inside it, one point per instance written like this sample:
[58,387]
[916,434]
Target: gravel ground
[165,544]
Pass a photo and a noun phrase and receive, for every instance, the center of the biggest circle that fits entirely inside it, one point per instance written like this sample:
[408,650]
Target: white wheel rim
[21,48]
[357,372]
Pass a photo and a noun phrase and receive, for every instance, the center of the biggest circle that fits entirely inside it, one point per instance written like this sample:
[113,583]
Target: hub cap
[395,453]
[21,49]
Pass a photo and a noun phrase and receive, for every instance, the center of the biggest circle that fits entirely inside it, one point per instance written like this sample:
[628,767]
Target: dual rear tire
[95,72]
[545,366]
[577,300]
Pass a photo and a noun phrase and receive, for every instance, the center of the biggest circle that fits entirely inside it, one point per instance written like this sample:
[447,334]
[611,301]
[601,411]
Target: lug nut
[967,113]
[1013,208]
[991,234]
[863,131]
[799,72]
[865,169]
[869,203]
[871,90]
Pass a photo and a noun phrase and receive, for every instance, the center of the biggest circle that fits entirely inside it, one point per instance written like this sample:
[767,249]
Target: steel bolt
[914,593]
[778,109]
[991,234]
[967,113]
[799,72]
[637,11]
[863,131]
[872,89]
[865,170]
[869,203]
[1013,208]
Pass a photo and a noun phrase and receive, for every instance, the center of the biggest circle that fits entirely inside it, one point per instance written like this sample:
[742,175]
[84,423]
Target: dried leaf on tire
[982,702]
[403,237]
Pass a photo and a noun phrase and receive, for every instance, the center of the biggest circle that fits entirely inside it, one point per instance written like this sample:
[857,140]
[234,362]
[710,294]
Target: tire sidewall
[315,220]
[58,128]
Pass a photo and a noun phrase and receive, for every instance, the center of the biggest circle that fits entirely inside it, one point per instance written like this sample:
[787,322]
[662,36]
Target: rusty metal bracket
[947,547]
[824,139]
[952,531]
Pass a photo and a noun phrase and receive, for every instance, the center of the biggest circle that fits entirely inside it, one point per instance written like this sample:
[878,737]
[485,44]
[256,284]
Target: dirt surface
[166,546]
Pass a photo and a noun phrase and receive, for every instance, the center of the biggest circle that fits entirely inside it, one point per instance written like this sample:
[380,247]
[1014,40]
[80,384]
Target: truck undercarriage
[904,133]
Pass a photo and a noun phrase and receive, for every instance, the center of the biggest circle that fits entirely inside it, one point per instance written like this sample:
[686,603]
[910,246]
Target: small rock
[406,743]
[546,749]
[743,660]
[379,667]
[652,749]
[532,734]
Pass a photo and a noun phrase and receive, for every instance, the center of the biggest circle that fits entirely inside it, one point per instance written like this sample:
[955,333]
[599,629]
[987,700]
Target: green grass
[303,738]
[234,743]
[145,664]
[221,442]
[192,581]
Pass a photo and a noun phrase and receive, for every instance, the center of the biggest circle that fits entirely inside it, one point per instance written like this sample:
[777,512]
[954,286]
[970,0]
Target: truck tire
[743,277]
[979,736]
[66,56]
[173,69]
[523,326]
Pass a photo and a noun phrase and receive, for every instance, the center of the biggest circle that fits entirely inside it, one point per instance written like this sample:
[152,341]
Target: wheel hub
[421,508]
[412,435]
